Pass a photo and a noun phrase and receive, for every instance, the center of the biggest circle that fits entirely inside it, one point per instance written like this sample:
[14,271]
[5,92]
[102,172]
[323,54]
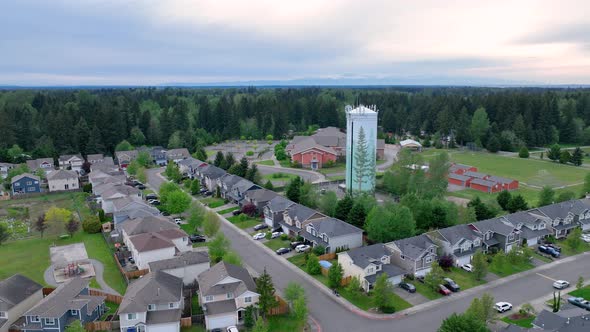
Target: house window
[542,226]
[34,319]
[151,307]
[403,257]
[248,299]
[49,321]
[29,183]
[74,312]
[428,259]
[2,314]
[171,305]
[66,186]
[230,295]
[511,236]
[16,184]
[370,270]
[131,316]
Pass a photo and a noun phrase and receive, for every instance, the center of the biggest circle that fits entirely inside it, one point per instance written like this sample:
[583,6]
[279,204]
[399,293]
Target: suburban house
[108,193]
[410,144]
[239,190]
[296,216]
[568,320]
[459,242]
[461,168]
[18,294]
[118,204]
[5,167]
[124,158]
[186,266]
[532,225]
[333,234]
[101,163]
[71,162]
[99,177]
[505,184]
[225,290]
[367,263]
[562,216]
[45,164]
[69,302]
[152,303]
[583,215]
[134,211]
[157,153]
[226,182]
[274,210]
[63,180]
[415,254]
[177,155]
[497,233]
[26,183]
[186,166]
[259,198]
[209,176]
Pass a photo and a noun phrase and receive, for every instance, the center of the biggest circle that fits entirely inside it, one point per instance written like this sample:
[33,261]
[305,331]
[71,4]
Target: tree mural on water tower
[364,165]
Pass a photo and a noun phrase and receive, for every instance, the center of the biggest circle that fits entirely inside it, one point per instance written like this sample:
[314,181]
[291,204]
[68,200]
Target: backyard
[277,243]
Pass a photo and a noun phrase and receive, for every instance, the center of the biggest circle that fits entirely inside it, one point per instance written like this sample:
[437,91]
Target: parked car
[579,302]
[216,330]
[197,238]
[502,306]
[154,202]
[207,193]
[585,238]
[296,244]
[549,251]
[140,186]
[164,213]
[178,221]
[236,212]
[274,235]
[259,236]
[561,284]
[232,329]
[409,287]
[281,251]
[555,247]
[467,267]
[151,196]
[131,260]
[443,290]
[260,227]
[451,284]
[203,190]
[302,248]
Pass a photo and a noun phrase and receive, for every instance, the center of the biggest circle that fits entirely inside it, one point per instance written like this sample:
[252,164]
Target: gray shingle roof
[455,167]
[213,172]
[261,195]
[415,246]
[455,233]
[66,157]
[208,280]
[301,212]
[150,241]
[163,316]
[177,153]
[122,189]
[220,307]
[153,288]
[332,227]
[229,180]
[496,225]
[390,269]
[363,256]
[558,210]
[25,175]
[279,203]
[61,299]
[244,185]
[458,177]
[15,289]
[311,143]
[481,182]
[36,163]
[475,174]
[184,259]
[500,179]
[147,225]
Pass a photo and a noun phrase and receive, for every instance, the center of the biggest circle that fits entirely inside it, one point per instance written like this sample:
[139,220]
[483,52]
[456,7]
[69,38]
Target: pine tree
[266,290]
[362,161]
[577,157]
[503,199]
[219,158]
[345,205]
[95,142]
[554,152]
[564,157]
[357,215]
[517,203]
[546,196]
[293,191]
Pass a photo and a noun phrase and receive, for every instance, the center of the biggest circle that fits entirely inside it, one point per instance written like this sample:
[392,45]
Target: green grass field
[463,278]
[243,221]
[213,202]
[526,322]
[228,210]
[277,243]
[582,292]
[510,269]
[265,162]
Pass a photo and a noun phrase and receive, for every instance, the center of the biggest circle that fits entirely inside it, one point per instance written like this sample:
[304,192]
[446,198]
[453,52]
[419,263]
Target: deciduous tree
[41,224]
[335,274]
[462,323]
[382,293]
[546,196]
[480,265]
[313,265]
[218,247]
[345,205]
[72,226]
[211,224]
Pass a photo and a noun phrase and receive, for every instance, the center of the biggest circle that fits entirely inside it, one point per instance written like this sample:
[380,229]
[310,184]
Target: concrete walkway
[98,269]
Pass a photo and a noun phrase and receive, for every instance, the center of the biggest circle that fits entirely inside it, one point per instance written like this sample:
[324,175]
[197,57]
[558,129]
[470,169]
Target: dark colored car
[282,251]
[556,248]
[155,202]
[164,213]
[451,284]
[549,251]
[140,187]
[236,212]
[443,290]
[203,190]
[151,196]
[260,226]
[207,193]
[197,238]
[295,244]
[579,302]
[131,260]
[409,287]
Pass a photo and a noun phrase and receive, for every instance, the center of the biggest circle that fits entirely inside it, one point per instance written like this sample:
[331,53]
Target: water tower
[361,148]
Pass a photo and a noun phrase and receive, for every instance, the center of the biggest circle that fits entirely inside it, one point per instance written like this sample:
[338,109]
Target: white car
[585,238]
[302,248]
[259,236]
[467,267]
[274,235]
[503,306]
[560,284]
[232,329]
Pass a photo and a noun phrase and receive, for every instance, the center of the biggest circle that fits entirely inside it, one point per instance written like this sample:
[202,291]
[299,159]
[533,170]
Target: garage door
[395,280]
[531,242]
[463,260]
[220,321]
[168,327]
[508,248]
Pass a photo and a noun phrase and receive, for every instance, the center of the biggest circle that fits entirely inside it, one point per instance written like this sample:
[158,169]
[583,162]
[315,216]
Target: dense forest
[49,122]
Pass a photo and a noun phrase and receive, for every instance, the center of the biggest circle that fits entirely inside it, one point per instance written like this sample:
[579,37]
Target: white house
[225,290]
[152,303]
[18,294]
[71,162]
[187,266]
[63,180]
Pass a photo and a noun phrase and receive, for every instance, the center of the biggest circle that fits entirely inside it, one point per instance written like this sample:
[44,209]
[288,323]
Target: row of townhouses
[416,254]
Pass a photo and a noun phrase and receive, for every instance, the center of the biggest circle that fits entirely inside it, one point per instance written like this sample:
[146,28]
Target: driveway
[332,316]
[413,298]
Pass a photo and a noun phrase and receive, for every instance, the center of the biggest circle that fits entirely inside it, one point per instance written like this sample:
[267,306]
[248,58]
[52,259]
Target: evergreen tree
[482,211]
[195,186]
[243,167]
[266,291]
[554,152]
[503,199]
[328,203]
[480,265]
[577,157]
[345,205]
[313,265]
[81,136]
[219,158]
[546,196]
[95,142]
[268,185]
[357,215]
[383,293]
[363,162]
[229,160]
[201,154]
[479,125]
[335,274]
[493,144]
[523,152]
[517,203]
[293,191]
[564,157]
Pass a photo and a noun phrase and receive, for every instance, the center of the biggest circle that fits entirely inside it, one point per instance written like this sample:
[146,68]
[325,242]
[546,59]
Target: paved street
[333,317]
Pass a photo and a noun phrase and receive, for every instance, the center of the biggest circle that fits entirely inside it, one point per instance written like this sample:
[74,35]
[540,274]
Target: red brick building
[485,186]
[459,180]
[468,176]
[312,155]
[461,169]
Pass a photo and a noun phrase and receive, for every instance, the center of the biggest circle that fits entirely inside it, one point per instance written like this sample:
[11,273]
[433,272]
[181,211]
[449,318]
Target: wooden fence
[99,326]
[186,322]
[281,309]
[130,274]
[327,257]
[109,297]
[47,290]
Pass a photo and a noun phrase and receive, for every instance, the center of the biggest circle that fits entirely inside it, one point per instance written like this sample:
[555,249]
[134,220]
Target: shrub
[284,237]
[91,225]
[446,262]
[524,152]
[87,188]
[249,209]
[319,250]
[101,216]
[249,153]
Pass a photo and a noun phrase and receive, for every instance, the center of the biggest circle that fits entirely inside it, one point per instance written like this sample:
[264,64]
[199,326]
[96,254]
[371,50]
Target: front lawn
[277,243]
[283,323]
[267,162]
[194,328]
[298,260]
[582,292]
[569,251]
[31,257]
[426,291]
[213,202]
[510,269]
[542,258]
[463,278]
[243,221]
[526,322]
[228,210]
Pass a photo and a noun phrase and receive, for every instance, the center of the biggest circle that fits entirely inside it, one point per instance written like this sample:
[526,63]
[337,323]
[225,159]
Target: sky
[153,42]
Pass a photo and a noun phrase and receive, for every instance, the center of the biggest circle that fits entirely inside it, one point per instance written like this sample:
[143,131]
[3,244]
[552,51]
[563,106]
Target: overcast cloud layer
[149,42]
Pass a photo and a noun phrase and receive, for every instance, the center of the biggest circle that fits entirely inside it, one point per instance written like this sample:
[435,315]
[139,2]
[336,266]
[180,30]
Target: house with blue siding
[68,303]
[26,184]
